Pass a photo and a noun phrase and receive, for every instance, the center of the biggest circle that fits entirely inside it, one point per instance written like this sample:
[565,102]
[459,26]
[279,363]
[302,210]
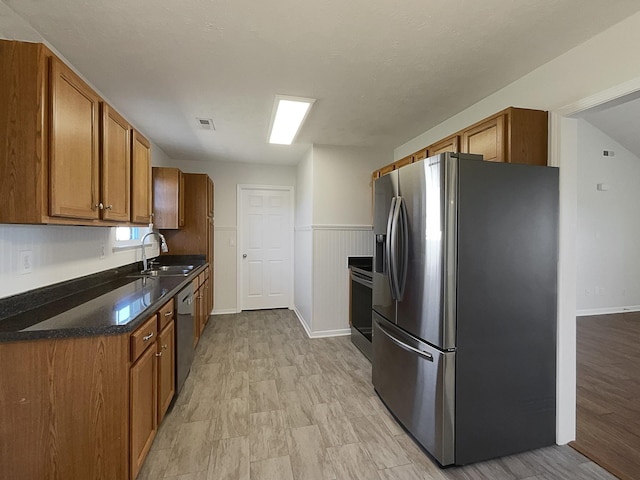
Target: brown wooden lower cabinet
[143,406]
[85,408]
[166,352]
[65,405]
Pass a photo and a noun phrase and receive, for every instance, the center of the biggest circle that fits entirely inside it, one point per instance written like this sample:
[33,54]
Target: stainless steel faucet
[163,247]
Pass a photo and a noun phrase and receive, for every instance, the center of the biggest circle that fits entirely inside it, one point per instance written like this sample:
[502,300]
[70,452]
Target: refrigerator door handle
[401,274]
[425,355]
[395,231]
[390,247]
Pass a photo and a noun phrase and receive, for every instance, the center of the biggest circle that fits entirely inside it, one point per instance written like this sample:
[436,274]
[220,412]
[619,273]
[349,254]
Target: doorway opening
[597,277]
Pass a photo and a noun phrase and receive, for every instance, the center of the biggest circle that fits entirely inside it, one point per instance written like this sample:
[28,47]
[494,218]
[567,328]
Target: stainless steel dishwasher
[184,334]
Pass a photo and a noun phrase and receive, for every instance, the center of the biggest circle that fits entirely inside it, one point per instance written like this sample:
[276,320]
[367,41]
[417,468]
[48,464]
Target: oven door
[361,297]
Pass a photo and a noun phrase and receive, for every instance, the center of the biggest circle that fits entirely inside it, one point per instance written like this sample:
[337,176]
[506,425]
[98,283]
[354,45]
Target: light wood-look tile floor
[265,402]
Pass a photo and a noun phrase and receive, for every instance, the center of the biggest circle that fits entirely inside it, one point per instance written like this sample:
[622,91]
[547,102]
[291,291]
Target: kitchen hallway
[263,401]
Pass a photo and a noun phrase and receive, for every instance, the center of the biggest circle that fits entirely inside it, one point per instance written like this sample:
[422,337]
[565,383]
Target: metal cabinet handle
[244,255]
[147,337]
[168,314]
[109,207]
[99,206]
[159,354]
[165,346]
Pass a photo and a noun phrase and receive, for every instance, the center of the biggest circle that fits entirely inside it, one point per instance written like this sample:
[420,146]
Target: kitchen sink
[167,271]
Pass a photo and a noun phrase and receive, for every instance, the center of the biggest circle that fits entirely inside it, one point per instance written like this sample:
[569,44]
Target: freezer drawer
[417,383]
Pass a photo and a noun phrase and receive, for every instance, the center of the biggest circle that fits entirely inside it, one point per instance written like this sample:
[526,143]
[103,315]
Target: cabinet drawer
[143,337]
[165,314]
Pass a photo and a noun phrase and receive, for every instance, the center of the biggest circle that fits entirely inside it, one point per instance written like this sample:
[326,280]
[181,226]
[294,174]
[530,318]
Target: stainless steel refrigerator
[464,304]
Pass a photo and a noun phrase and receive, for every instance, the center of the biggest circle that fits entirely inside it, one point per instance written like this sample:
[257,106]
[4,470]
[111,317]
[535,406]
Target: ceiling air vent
[205,123]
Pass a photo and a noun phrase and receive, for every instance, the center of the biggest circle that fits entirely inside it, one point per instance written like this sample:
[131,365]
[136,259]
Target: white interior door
[266,226]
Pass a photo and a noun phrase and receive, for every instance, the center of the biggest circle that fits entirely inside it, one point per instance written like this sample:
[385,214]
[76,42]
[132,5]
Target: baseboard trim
[302,322]
[342,332]
[607,310]
[322,333]
[226,311]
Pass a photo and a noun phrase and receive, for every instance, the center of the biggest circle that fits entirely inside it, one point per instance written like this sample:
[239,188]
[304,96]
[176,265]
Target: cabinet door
[209,256]
[386,169]
[168,198]
[140,179]
[419,155]
[196,318]
[449,144]
[402,162]
[116,166]
[210,195]
[143,405]
[74,145]
[487,138]
[207,301]
[166,369]
[180,199]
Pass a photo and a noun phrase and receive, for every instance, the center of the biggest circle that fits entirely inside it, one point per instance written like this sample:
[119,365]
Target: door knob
[244,255]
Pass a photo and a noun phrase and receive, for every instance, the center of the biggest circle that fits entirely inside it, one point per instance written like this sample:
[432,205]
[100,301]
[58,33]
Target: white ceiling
[382,71]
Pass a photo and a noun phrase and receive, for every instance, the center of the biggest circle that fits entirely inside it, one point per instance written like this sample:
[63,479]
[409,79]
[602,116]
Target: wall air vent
[205,123]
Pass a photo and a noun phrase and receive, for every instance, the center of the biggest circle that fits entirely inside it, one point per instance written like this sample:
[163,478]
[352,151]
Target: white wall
[608,264]
[582,73]
[342,183]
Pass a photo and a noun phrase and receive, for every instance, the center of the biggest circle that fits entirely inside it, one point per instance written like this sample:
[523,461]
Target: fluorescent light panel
[289,115]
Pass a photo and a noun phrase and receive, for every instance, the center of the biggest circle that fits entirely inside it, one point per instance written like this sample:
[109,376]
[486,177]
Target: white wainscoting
[332,244]
[303,275]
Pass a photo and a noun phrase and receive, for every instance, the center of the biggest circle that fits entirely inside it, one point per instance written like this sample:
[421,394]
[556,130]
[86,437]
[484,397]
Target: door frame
[563,153]
[239,237]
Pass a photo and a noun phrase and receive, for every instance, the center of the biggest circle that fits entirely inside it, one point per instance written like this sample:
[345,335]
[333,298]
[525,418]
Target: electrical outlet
[102,250]
[26,262]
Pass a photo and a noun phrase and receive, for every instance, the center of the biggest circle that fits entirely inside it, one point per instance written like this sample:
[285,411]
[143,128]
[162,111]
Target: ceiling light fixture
[288,115]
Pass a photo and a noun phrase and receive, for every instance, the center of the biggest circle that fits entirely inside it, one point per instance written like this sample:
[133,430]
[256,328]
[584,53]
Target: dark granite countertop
[111,302]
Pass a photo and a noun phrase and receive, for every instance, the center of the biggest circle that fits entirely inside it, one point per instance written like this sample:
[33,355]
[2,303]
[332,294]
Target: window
[129,236]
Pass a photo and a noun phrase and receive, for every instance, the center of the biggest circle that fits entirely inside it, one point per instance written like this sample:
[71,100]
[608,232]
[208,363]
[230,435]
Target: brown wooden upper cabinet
[419,155]
[196,236]
[116,166]
[168,198]
[449,144]
[514,135]
[74,156]
[66,155]
[141,207]
[487,139]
